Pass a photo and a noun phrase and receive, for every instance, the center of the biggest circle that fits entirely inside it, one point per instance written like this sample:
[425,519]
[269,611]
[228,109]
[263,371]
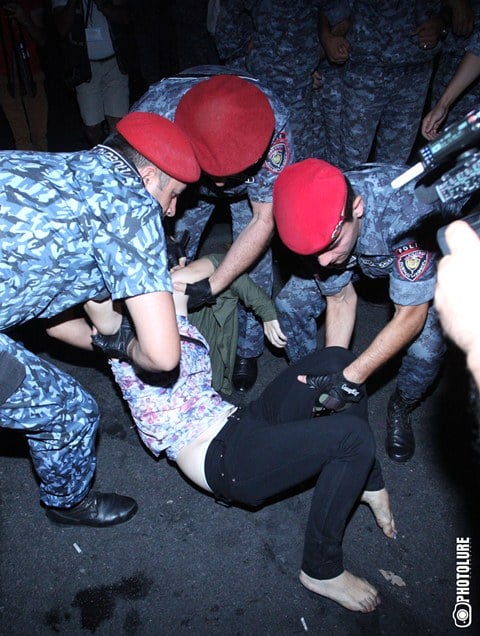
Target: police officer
[241,136]
[358,222]
[282,51]
[392,47]
[75,227]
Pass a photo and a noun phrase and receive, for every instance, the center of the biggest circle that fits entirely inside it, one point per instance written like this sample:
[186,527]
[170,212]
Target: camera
[459,143]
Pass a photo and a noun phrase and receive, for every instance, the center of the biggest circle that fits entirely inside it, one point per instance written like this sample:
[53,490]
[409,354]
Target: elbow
[161,361]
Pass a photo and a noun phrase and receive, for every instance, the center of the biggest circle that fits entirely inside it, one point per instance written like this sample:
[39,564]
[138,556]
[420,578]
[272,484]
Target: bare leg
[379,502]
[348,590]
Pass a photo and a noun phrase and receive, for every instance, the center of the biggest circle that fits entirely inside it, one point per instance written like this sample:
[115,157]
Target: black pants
[274,444]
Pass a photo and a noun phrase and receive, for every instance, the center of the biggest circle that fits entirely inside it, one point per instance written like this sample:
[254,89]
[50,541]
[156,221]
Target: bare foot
[348,590]
[379,502]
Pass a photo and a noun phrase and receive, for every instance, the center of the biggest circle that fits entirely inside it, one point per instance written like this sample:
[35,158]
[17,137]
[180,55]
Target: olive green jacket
[218,323]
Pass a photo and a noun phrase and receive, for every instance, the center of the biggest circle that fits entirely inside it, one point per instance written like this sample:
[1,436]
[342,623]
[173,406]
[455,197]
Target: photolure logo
[462,612]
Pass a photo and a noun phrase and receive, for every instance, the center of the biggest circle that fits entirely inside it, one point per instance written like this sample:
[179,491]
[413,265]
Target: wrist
[352,375]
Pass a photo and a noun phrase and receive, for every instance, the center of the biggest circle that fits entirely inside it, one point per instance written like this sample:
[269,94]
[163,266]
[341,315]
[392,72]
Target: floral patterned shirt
[170,417]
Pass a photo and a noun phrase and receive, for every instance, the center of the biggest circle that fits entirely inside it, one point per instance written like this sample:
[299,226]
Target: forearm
[340,317]
[405,325]
[157,345]
[246,249]
[466,73]
[74,331]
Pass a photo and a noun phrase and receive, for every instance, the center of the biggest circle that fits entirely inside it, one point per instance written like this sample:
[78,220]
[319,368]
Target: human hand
[433,120]
[199,293]
[274,334]
[176,250]
[456,297]
[316,81]
[429,32]
[336,48]
[335,390]
[341,28]
[116,346]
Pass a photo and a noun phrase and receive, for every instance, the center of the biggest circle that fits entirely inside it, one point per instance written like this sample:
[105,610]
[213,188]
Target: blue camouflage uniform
[162,98]
[284,52]
[453,50]
[233,31]
[387,246]
[72,227]
[327,100]
[473,45]
[386,80]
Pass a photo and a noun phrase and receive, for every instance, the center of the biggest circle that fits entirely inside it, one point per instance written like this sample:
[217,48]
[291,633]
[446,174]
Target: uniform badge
[278,155]
[412,262]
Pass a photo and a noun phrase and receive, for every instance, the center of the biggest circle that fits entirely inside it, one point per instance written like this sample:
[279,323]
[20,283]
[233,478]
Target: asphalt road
[186,565]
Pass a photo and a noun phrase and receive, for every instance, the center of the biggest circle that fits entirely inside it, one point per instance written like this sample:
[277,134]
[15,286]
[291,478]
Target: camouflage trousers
[327,122]
[385,104]
[250,329]
[59,419]
[300,303]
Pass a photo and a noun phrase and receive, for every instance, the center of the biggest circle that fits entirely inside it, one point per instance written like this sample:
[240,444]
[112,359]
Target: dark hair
[121,145]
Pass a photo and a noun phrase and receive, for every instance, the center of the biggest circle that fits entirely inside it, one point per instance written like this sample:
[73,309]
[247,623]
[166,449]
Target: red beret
[161,142]
[229,122]
[308,204]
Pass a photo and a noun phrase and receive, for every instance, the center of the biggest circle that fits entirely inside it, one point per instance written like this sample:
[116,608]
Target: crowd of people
[103,245]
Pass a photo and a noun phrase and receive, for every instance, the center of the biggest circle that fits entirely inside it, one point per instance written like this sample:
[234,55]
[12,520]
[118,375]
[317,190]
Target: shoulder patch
[411,261]
[278,154]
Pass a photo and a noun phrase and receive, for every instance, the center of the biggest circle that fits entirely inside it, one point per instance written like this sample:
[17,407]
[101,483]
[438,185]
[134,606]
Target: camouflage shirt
[73,226]
[392,227]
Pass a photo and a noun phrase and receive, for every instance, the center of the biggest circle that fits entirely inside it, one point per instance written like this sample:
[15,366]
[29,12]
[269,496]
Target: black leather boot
[244,373]
[98,510]
[400,442]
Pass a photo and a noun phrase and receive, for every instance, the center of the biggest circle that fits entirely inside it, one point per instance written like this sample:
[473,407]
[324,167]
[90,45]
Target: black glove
[335,392]
[116,346]
[199,293]
[176,248]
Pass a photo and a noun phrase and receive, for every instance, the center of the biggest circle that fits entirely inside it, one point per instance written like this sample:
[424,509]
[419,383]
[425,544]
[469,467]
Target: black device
[472,219]
[458,144]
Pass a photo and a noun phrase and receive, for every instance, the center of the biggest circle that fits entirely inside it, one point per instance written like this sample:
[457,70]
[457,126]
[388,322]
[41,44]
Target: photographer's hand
[456,295]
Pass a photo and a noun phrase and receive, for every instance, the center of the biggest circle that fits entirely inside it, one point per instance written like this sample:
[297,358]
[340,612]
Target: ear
[147,173]
[358,207]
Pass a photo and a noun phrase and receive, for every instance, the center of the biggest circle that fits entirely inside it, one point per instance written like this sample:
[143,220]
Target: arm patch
[411,261]
[278,154]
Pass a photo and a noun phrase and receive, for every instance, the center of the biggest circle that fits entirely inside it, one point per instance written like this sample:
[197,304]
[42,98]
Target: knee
[359,440]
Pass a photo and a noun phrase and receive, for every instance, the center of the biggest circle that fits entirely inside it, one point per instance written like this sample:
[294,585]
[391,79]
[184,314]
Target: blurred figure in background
[22,91]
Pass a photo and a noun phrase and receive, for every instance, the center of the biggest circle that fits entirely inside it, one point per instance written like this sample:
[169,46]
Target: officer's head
[230,123]
[162,154]
[316,211]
